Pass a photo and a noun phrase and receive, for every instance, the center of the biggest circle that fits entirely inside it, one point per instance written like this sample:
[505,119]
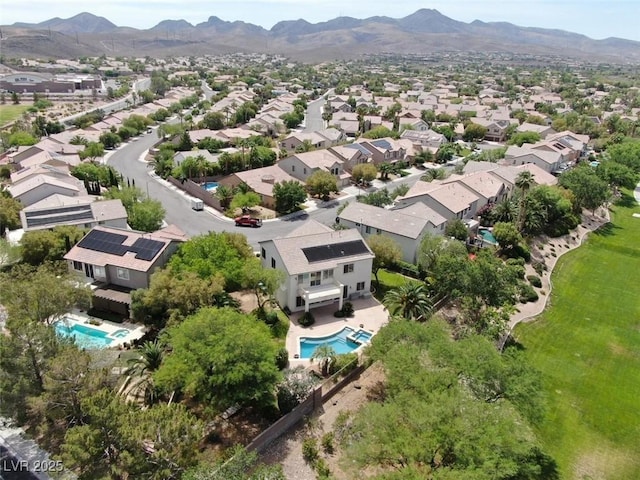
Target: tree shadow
[626,200]
[607,230]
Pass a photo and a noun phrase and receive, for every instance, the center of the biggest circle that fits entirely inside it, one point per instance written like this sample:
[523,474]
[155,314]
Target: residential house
[302,165]
[543,130]
[261,181]
[509,173]
[84,212]
[547,159]
[318,139]
[352,154]
[425,138]
[406,226]
[451,200]
[384,150]
[118,261]
[180,157]
[321,266]
[496,129]
[487,187]
[38,187]
[413,124]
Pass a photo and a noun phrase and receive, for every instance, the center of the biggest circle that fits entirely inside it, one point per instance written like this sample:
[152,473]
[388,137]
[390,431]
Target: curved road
[177,205]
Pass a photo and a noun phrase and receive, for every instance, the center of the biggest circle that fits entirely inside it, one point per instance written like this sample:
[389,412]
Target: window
[348,268]
[304,170]
[326,274]
[263,253]
[99,272]
[122,273]
[360,286]
[77,265]
[300,279]
[367,229]
[299,302]
[273,263]
[316,279]
[293,168]
[378,231]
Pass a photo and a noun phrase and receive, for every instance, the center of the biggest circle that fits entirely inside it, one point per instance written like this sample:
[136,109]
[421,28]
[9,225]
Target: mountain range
[423,32]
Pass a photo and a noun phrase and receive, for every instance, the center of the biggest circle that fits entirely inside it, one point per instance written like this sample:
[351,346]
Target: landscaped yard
[587,346]
[8,113]
[388,280]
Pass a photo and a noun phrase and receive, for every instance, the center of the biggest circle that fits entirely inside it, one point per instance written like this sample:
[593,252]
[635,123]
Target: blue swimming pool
[488,236]
[83,336]
[341,342]
[210,186]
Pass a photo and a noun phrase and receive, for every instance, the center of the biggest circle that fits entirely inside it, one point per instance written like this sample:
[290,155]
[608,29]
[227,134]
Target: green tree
[262,281]
[139,382]
[224,193]
[213,121]
[507,235]
[185,143]
[474,132]
[387,253]
[110,140]
[92,151]
[505,211]
[241,465]
[379,198]
[325,355]
[456,229]
[520,138]
[41,294]
[9,214]
[385,169]
[244,200]
[365,172]
[146,215]
[21,138]
[173,296]
[410,300]
[224,253]
[321,184]
[40,246]
[221,357]
[524,182]
[589,189]
[288,195]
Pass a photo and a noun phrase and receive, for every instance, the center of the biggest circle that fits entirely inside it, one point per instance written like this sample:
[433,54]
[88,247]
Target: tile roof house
[487,187]
[406,226]
[84,212]
[38,187]
[508,173]
[549,159]
[451,200]
[384,150]
[261,181]
[303,165]
[117,261]
[180,157]
[321,266]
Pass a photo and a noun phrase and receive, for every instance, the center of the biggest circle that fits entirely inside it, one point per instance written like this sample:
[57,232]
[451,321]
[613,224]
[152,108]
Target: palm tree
[224,193]
[410,301]
[140,381]
[326,355]
[505,212]
[524,182]
[385,169]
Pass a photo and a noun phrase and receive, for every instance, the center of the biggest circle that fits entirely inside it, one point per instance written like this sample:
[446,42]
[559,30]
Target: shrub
[310,450]
[338,314]
[516,261]
[342,361]
[327,443]
[534,280]
[539,267]
[519,271]
[347,309]
[406,268]
[282,358]
[322,469]
[307,319]
[271,318]
[527,293]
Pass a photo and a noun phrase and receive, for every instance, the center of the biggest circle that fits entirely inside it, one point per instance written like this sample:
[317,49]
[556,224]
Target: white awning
[321,293]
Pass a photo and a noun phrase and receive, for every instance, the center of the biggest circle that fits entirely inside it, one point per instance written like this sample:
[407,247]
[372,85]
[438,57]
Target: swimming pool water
[210,186]
[83,336]
[488,236]
[338,341]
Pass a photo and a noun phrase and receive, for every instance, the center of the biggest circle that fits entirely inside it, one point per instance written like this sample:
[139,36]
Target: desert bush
[534,280]
[307,319]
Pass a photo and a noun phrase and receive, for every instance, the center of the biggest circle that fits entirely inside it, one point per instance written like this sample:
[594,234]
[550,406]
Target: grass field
[587,346]
[8,113]
[388,281]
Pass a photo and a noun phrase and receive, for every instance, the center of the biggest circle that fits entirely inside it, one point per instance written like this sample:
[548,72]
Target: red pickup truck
[248,221]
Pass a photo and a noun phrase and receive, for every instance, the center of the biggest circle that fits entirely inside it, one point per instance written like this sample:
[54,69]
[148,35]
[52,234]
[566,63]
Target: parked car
[248,221]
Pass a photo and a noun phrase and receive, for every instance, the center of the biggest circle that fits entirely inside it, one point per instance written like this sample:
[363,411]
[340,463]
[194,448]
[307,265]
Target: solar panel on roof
[34,221]
[112,243]
[336,250]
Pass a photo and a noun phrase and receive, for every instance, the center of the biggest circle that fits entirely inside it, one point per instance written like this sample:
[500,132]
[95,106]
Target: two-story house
[547,159]
[384,150]
[451,200]
[117,261]
[321,266]
[406,226]
[303,165]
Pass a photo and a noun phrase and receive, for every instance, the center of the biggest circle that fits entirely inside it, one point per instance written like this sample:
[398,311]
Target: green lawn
[388,281]
[8,113]
[587,346]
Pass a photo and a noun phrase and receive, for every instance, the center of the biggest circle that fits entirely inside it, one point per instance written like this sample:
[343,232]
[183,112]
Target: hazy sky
[595,18]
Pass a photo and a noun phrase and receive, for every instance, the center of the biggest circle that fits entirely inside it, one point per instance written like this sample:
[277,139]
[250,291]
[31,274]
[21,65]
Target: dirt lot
[287,450]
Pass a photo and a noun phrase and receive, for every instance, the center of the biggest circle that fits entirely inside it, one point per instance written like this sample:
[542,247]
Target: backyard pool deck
[368,312]
[134,331]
